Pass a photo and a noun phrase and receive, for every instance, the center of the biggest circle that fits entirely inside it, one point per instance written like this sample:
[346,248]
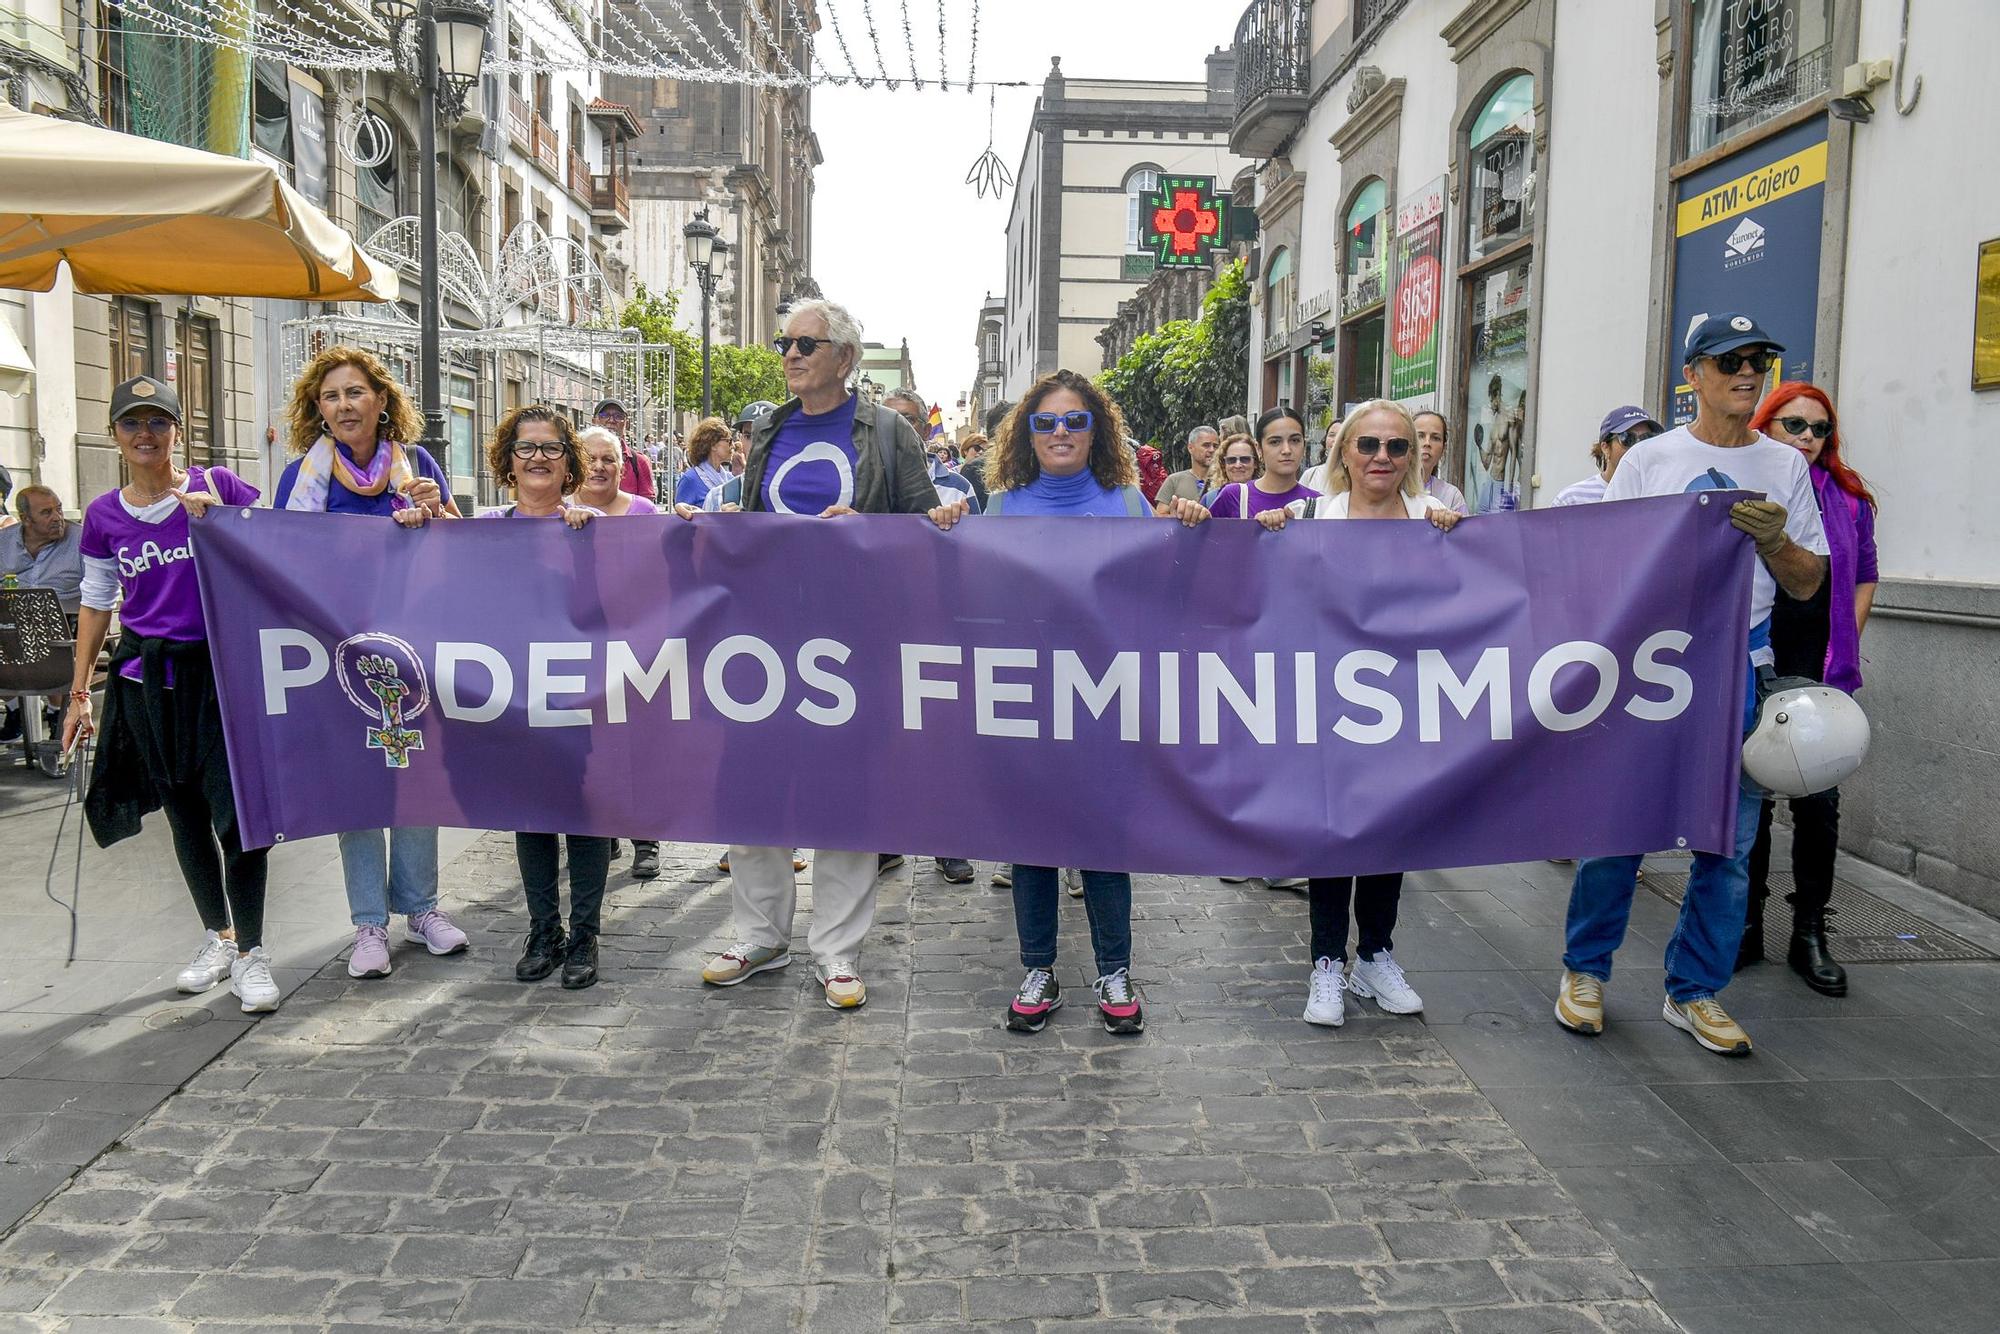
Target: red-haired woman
[1819,638]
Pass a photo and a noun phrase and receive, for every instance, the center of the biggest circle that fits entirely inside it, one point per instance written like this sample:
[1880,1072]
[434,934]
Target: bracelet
[82,696]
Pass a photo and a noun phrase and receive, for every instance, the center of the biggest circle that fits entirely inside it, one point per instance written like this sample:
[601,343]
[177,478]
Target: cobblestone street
[449,1147]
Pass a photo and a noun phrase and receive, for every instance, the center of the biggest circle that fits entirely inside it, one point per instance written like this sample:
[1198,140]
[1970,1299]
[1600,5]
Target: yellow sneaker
[842,979]
[1709,1024]
[743,960]
[1580,1004]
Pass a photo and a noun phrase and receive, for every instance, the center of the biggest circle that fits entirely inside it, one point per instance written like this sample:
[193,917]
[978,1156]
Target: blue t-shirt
[339,500]
[811,465]
[697,482]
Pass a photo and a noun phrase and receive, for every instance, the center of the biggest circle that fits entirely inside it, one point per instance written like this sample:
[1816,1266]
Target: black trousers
[540,856]
[225,881]
[1375,899]
[1815,840]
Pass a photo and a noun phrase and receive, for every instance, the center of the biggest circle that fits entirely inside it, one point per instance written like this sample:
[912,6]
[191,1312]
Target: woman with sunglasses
[1235,463]
[535,451]
[161,747]
[1817,637]
[1281,447]
[1374,474]
[1062,452]
[354,430]
[1620,431]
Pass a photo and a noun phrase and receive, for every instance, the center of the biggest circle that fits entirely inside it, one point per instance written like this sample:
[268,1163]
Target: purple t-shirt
[161,598]
[1227,501]
[811,464]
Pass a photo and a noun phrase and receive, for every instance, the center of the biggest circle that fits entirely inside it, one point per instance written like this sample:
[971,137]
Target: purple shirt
[340,500]
[1850,537]
[1227,502]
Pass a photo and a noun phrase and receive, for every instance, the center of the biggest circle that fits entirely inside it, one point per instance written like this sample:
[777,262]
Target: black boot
[580,964]
[1752,949]
[1808,956]
[544,952]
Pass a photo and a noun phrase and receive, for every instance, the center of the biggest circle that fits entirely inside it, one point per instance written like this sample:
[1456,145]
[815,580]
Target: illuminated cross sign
[1185,219]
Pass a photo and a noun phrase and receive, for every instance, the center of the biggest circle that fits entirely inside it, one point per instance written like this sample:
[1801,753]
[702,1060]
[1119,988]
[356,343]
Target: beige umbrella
[136,215]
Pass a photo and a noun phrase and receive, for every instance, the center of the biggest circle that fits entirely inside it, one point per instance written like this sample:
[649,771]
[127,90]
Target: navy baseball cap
[1726,333]
[608,405]
[1620,420]
[143,391]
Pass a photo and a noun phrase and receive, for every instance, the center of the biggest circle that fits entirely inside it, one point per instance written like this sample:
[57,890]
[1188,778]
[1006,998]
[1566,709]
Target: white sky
[921,270]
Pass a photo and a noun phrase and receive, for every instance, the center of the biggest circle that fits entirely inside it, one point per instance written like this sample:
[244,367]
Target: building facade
[988,381]
[1513,210]
[1095,148]
[744,154]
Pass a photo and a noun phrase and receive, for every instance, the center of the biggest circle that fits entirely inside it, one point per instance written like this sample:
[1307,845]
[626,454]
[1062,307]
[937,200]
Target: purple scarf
[1839,515]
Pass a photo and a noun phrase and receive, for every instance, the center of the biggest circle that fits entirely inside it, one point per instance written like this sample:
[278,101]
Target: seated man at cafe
[43,550]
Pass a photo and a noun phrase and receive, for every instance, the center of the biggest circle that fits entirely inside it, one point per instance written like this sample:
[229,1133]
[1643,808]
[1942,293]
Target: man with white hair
[825,453]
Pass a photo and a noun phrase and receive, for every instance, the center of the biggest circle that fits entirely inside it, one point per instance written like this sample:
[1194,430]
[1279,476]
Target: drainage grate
[1863,928]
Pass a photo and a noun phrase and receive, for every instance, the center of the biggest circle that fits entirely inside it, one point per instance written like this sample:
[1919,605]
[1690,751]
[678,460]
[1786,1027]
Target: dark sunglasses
[1239,460]
[805,343]
[548,449]
[1044,423]
[1369,444]
[1799,426]
[1731,362]
[1632,437]
[157,425]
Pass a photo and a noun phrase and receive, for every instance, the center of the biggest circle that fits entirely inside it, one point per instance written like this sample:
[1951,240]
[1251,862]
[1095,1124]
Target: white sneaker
[250,978]
[1382,980]
[1288,882]
[209,966]
[1326,1002]
[1072,881]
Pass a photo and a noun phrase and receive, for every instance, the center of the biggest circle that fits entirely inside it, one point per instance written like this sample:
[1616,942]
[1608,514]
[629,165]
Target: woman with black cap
[161,748]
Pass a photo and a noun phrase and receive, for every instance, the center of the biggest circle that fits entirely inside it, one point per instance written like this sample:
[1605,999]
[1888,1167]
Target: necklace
[175,479]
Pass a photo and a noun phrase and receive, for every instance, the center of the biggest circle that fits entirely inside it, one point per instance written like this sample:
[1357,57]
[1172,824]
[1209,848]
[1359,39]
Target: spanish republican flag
[937,422]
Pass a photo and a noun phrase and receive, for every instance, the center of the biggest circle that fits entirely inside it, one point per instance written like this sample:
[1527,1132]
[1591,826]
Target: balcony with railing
[547,155]
[1273,75]
[578,179]
[520,123]
[611,201]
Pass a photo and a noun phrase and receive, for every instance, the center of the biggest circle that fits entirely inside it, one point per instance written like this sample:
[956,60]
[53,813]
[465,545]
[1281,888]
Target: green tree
[1187,371]
[743,375]
[652,314]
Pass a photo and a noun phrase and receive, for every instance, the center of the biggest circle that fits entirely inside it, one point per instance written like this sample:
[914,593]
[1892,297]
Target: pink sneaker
[435,932]
[371,952]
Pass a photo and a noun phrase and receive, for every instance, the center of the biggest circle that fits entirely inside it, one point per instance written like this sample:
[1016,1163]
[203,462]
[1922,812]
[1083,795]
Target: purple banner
[1338,698]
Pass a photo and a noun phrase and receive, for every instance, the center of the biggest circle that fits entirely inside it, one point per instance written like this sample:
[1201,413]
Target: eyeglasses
[548,449]
[134,425]
[1239,460]
[1799,426]
[1632,437]
[1044,423]
[805,343]
[1369,445]
[1731,362]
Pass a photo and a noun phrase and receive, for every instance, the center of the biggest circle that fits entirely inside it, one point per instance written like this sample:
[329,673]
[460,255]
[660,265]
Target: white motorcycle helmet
[1809,738]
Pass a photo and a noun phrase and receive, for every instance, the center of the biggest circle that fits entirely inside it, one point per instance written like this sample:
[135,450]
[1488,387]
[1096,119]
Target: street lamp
[707,253]
[449,47]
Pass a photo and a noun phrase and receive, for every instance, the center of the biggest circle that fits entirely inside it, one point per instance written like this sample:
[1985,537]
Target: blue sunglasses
[1044,423]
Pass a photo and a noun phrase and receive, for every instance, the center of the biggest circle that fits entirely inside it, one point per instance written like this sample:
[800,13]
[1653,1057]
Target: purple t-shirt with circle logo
[161,598]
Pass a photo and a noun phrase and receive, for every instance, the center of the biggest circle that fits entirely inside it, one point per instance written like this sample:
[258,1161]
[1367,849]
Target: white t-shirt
[1335,507]
[1586,492]
[1677,462]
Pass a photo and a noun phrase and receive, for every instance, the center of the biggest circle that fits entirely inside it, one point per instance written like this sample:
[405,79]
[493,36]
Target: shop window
[1361,359]
[1496,387]
[1752,60]
[1139,182]
[1502,157]
[271,112]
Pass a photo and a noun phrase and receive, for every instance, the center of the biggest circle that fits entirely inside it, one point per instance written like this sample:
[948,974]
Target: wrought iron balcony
[1273,60]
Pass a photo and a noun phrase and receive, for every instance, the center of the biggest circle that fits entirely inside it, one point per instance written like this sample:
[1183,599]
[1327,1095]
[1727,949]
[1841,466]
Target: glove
[1764,520]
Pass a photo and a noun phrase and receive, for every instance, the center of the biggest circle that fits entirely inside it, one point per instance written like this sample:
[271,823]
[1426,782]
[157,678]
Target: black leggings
[1815,840]
[540,856]
[225,881]
[1375,901]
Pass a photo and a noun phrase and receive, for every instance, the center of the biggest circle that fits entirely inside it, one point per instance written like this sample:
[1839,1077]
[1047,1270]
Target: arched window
[1501,151]
[1139,183]
[378,190]
[1280,290]
[1363,227]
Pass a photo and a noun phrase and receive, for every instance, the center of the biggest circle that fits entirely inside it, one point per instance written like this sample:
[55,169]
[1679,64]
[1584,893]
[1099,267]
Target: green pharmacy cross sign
[1185,219]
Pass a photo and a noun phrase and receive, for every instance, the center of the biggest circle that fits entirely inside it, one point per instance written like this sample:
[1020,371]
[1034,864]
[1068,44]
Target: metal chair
[37,658]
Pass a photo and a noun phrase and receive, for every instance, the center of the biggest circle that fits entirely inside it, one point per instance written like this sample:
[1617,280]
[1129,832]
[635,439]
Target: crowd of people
[827,451]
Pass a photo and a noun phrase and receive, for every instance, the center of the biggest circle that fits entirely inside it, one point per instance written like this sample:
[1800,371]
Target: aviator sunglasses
[1369,444]
[1799,426]
[805,343]
[1044,423]
[1731,362]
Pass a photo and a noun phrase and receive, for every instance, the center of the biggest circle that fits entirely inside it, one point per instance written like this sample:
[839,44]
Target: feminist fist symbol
[385,681]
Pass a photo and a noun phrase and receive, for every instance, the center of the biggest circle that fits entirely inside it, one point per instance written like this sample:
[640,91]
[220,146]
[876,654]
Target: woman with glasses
[535,452]
[1281,447]
[161,745]
[1817,637]
[1062,452]
[1375,474]
[708,446]
[354,430]
[1621,429]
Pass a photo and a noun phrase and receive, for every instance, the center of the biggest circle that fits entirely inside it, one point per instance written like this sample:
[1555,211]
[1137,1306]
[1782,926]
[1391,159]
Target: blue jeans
[399,874]
[1107,901]
[1701,954]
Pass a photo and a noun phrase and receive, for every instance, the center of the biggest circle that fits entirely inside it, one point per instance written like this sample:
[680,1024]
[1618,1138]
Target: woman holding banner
[353,429]
[534,451]
[1281,448]
[1061,451]
[161,748]
[1372,475]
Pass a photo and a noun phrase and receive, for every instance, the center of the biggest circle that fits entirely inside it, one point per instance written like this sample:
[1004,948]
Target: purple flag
[1338,698]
